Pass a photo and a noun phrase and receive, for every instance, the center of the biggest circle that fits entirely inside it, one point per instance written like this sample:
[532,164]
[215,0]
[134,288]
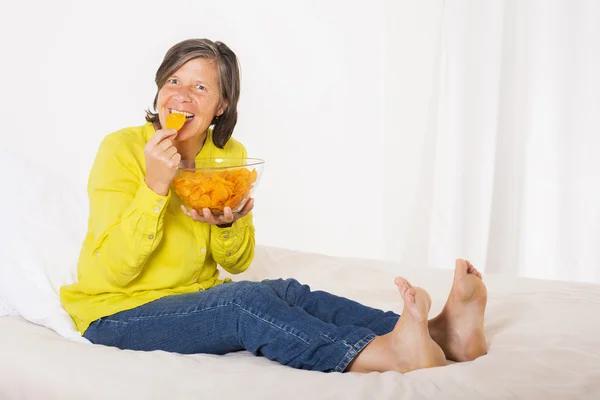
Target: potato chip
[175,121]
[215,189]
[204,202]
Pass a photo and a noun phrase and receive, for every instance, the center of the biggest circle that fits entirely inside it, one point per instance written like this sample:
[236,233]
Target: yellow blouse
[139,245]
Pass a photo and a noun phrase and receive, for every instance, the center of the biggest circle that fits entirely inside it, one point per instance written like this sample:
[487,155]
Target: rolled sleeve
[233,247]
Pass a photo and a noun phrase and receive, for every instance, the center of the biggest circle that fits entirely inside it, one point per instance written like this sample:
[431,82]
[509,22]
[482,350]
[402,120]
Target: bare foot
[459,327]
[409,346]
[410,339]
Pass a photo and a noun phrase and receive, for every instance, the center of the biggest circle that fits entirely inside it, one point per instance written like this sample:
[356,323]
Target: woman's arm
[233,247]
[126,216]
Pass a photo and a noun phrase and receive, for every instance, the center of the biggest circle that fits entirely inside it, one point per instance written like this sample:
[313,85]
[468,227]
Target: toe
[472,269]
[406,291]
[410,302]
[461,268]
[402,284]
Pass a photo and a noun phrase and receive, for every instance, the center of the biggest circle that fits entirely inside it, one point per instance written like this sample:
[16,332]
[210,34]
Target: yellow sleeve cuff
[151,207]
[150,203]
[227,238]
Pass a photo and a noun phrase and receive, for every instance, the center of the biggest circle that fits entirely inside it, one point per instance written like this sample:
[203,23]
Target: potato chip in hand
[175,121]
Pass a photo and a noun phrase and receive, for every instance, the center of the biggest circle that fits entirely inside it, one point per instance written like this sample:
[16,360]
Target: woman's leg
[231,317]
[333,309]
[409,343]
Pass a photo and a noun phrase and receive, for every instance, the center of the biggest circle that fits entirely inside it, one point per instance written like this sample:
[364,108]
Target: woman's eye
[173,81]
[200,87]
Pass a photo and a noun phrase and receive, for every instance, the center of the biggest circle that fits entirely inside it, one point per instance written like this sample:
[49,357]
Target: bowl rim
[250,161]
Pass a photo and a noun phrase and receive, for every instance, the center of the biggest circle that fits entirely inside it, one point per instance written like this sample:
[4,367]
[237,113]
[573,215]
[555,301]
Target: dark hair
[229,80]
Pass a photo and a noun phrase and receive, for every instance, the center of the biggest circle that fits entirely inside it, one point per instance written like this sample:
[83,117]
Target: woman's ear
[221,108]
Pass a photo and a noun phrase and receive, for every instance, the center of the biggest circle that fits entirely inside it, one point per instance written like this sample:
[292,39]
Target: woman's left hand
[227,218]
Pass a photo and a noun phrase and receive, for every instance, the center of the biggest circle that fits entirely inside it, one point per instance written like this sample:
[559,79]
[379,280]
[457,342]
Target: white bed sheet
[544,343]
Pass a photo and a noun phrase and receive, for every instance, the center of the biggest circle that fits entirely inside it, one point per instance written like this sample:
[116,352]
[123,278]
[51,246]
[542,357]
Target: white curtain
[510,171]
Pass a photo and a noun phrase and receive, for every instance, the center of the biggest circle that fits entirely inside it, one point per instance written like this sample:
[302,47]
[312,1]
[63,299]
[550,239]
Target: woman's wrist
[159,189]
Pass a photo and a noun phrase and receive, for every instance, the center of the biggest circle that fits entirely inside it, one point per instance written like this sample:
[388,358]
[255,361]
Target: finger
[170,152]
[189,213]
[209,217]
[227,216]
[165,144]
[246,210]
[169,163]
[193,214]
[197,216]
[173,160]
[160,135]
[249,206]
[185,211]
[176,158]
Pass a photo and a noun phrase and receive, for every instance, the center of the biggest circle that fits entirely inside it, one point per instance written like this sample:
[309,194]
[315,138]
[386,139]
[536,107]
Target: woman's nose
[182,94]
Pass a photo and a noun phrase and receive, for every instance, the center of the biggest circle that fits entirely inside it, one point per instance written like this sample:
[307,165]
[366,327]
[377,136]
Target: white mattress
[544,343]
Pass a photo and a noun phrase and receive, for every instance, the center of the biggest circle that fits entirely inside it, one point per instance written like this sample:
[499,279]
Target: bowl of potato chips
[216,183]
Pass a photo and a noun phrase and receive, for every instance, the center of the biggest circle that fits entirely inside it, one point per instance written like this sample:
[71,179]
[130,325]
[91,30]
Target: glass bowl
[216,183]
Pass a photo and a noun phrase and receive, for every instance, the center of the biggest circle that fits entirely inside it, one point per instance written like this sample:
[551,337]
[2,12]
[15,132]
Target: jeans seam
[172,314]
[268,322]
[353,351]
[113,321]
[131,319]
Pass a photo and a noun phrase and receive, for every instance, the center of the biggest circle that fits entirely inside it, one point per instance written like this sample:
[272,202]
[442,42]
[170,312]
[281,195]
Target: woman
[147,273]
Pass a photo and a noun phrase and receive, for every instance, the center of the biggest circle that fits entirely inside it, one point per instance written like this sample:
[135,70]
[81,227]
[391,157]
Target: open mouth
[188,116]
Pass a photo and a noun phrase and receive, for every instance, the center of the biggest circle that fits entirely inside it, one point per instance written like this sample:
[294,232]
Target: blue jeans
[279,319]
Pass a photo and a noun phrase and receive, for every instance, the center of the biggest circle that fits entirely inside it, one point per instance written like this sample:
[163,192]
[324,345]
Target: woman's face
[194,90]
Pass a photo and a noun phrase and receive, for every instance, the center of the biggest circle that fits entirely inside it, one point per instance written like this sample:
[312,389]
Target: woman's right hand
[162,161]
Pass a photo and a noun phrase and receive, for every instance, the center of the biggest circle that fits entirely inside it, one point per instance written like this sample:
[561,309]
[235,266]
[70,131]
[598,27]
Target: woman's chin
[188,132]
[182,134]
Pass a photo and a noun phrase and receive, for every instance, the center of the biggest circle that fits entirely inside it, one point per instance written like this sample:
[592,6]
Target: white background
[339,97]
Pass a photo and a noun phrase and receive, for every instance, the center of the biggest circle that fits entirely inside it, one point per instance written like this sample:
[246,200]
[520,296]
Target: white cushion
[44,223]
[6,309]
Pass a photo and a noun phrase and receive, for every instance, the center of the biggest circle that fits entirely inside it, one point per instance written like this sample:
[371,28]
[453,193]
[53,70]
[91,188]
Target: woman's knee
[288,289]
[249,291]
